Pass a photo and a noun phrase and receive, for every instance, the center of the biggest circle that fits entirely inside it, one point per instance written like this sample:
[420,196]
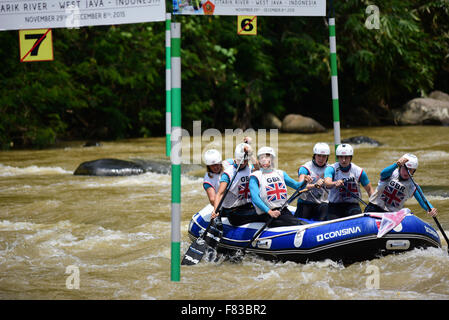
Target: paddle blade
[195,252]
[390,220]
[214,234]
[206,243]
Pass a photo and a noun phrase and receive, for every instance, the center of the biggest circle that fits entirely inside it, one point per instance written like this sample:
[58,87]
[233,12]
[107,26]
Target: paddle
[354,195]
[242,252]
[428,207]
[212,235]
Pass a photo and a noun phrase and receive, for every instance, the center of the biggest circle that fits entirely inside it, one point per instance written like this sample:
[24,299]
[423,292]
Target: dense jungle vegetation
[108,82]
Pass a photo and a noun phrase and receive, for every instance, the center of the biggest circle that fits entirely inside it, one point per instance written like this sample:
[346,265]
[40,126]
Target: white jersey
[212,179]
[272,189]
[352,183]
[316,195]
[238,194]
[391,194]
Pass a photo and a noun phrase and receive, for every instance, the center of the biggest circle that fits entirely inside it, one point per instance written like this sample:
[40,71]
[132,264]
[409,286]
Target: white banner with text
[38,14]
[250,7]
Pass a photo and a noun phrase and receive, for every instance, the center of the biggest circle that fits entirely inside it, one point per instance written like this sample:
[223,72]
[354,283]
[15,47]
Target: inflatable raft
[346,240]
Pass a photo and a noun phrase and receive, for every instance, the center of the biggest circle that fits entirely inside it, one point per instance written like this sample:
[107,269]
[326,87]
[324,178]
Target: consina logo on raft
[337,233]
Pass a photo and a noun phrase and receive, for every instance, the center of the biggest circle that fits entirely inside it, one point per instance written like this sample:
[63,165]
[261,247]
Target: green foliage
[109,82]
[101,83]
[397,62]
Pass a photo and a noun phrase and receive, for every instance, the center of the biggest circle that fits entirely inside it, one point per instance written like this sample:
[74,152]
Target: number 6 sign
[36,45]
[247,25]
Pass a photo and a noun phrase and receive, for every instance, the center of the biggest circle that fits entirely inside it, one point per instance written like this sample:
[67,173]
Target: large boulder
[109,167]
[439,95]
[164,166]
[296,123]
[272,122]
[117,167]
[423,111]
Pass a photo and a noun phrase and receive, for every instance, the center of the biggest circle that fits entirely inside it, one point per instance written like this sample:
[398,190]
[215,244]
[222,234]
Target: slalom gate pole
[167,84]
[175,155]
[334,81]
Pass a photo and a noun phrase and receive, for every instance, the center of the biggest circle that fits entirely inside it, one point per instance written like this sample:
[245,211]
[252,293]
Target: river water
[115,231]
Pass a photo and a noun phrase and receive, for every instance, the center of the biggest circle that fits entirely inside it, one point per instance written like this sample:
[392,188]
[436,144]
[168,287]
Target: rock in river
[296,123]
[117,167]
[361,139]
[424,111]
[109,167]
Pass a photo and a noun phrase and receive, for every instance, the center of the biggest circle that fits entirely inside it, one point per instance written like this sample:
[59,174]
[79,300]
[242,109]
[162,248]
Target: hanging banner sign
[250,7]
[41,14]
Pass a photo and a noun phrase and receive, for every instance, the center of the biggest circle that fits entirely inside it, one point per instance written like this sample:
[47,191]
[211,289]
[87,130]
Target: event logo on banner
[16,15]
[251,7]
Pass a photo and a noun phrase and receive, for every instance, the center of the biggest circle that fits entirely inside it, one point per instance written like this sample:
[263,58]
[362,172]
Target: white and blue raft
[347,240]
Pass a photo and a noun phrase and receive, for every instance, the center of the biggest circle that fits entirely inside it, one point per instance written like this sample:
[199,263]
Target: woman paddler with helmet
[395,187]
[268,188]
[313,204]
[215,167]
[237,202]
[343,179]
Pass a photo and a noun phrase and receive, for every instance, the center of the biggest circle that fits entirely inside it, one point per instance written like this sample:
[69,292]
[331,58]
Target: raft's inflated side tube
[109,167]
[349,240]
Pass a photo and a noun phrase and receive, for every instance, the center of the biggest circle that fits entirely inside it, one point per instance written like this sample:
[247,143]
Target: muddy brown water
[116,230]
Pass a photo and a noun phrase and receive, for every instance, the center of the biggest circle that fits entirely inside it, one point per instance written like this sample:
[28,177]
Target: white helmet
[240,151]
[412,162]
[211,157]
[264,160]
[344,150]
[265,150]
[321,148]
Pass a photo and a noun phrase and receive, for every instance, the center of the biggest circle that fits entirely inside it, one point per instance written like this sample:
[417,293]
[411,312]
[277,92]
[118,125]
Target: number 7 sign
[36,45]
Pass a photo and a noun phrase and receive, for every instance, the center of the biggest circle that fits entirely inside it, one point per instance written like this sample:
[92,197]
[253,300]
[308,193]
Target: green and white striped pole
[167,83]
[334,81]
[175,154]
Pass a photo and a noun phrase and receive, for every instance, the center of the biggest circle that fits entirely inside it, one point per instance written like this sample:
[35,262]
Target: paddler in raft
[268,188]
[237,204]
[214,169]
[343,179]
[313,204]
[395,187]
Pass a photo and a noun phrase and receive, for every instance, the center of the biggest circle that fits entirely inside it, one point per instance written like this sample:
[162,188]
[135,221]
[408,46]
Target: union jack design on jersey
[392,197]
[351,186]
[244,191]
[276,191]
